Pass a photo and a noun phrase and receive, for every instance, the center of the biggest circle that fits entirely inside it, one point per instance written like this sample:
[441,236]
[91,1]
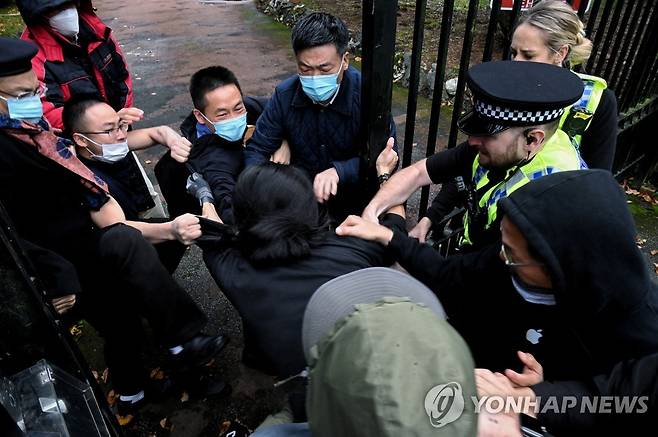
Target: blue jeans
[285,430]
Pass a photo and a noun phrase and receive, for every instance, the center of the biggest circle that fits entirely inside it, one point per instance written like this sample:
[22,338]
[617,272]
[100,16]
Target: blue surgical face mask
[322,87]
[112,152]
[536,295]
[26,108]
[232,129]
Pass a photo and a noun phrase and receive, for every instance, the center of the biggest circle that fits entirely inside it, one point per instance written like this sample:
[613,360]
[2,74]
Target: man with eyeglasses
[57,203]
[513,138]
[103,143]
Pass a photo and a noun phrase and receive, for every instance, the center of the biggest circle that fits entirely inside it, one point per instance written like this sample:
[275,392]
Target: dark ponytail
[276,214]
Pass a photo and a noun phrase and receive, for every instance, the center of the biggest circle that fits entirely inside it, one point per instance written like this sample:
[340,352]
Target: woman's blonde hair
[561,26]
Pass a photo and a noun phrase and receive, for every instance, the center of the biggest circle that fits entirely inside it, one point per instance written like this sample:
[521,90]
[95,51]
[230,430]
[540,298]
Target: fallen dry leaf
[164,423]
[224,427]
[157,374]
[95,373]
[125,420]
[148,161]
[185,397]
[654,252]
[106,373]
[112,397]
[655,267]
[632,192]
[75,331]
[640,241]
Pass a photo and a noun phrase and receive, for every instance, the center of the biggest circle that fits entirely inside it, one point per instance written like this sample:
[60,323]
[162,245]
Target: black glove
[199,188]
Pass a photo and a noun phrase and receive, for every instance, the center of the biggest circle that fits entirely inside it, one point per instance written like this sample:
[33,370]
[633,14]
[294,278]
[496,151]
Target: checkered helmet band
[498,113]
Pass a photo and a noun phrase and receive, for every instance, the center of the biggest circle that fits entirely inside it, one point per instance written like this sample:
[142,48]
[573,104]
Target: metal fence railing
[625,37]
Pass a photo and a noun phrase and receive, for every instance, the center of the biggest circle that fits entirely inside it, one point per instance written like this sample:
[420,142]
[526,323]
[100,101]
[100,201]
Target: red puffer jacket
[95,66]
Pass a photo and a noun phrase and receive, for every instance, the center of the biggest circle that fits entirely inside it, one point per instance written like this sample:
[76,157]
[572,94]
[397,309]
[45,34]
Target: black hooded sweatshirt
[606,310]
[579,225]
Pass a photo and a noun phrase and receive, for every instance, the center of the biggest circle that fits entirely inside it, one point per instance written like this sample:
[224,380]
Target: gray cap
[337,298]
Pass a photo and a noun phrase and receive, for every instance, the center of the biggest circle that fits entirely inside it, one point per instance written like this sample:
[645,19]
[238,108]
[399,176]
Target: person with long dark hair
[279,252]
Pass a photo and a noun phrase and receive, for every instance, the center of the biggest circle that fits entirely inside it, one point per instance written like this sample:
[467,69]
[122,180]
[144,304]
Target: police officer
[551,32]
[513,138]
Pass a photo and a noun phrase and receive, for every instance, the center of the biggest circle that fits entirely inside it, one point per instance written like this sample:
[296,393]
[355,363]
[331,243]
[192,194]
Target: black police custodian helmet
[16,56]
[508,93]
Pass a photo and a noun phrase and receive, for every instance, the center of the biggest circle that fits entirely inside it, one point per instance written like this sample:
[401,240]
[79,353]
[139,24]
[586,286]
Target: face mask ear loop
[208,120]
[87,147]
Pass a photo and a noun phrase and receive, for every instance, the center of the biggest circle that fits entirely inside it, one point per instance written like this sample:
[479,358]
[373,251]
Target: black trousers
[172,177]
[123,284]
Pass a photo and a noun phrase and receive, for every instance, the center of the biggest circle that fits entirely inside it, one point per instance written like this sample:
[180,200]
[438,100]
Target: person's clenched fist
[325,184]
[180,149]
[186,228]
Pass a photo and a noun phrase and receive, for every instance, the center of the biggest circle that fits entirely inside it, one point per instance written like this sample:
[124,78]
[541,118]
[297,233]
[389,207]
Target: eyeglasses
[510,263]
[39,91]
[122,127]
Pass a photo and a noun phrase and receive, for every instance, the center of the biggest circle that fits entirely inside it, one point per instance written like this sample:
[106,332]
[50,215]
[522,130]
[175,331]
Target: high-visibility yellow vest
[558,154]
[589,101]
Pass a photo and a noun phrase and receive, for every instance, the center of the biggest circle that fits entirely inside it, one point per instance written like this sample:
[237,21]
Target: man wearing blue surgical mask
[318,111]
[58,204]
[103,142]
[220,122]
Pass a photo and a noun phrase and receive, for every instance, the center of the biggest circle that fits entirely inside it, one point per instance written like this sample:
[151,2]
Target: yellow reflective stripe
[558,154]
[598,85]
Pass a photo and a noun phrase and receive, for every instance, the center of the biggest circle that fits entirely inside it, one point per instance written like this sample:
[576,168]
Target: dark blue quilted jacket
[319,137]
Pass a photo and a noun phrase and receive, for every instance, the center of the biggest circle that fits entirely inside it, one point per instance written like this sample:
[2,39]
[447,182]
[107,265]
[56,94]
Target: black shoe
[202,385]
[199,351]
[154,392]
[129,408]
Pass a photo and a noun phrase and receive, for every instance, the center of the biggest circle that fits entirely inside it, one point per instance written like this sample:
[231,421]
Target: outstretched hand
[533,372]
[355,226]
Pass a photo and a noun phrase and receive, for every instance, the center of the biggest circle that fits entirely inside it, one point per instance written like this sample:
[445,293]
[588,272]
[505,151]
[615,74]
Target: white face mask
[66,22]
[111,152]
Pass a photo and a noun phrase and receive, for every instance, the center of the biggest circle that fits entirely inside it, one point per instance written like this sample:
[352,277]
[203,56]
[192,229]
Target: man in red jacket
[77,55]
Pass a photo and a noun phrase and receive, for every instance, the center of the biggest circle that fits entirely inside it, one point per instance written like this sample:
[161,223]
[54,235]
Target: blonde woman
[552,33]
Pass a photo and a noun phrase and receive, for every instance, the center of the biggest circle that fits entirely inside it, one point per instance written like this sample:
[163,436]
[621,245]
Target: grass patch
[641,209]
[11,23]
[463,4]
[266,24]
